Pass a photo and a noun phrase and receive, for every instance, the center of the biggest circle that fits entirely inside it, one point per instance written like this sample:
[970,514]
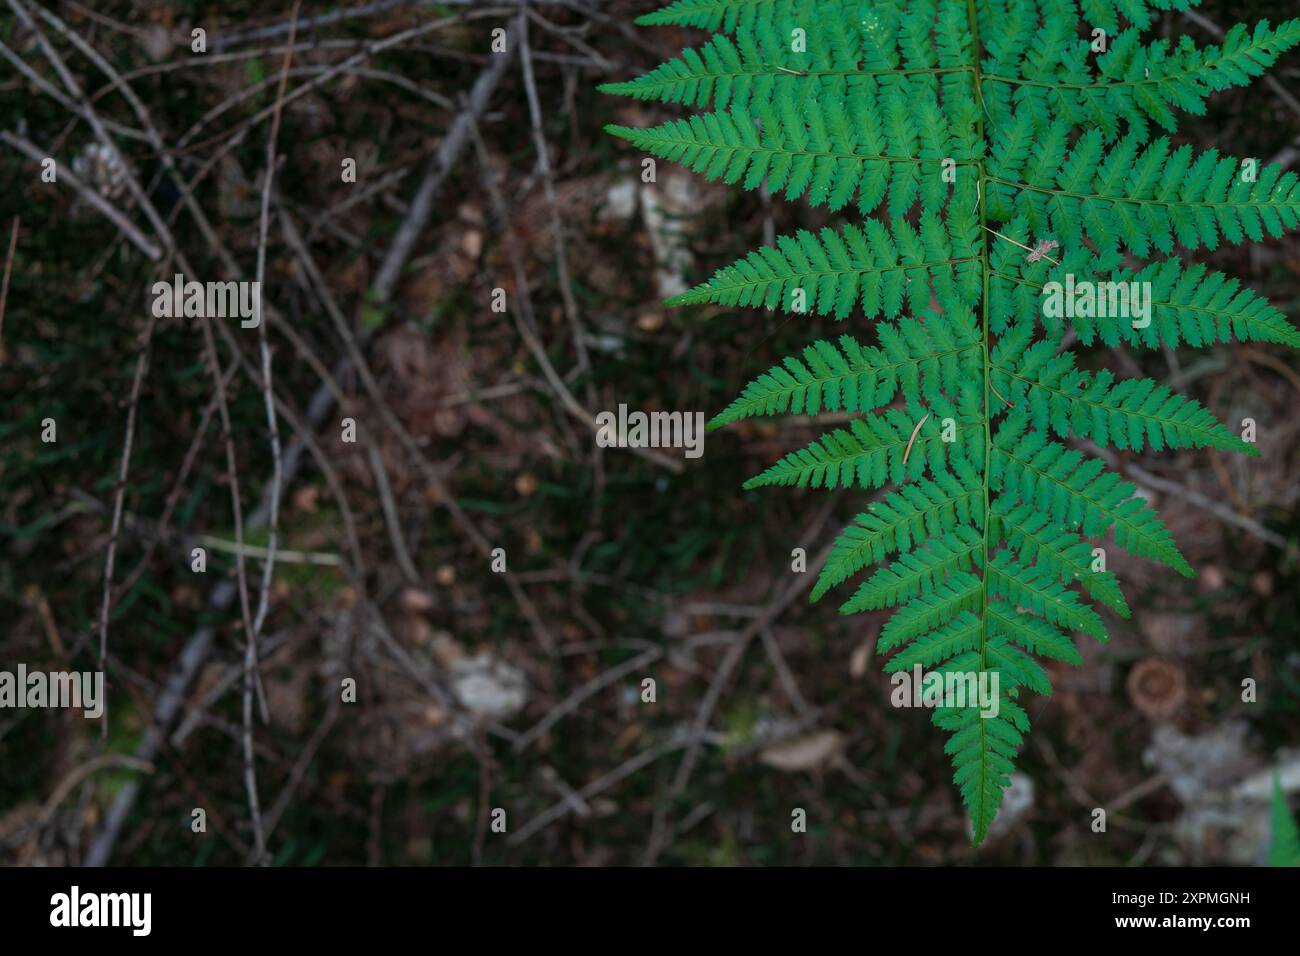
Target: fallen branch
[87,193]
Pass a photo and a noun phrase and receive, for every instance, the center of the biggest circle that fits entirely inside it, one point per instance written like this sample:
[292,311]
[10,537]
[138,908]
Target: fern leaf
[1145,196]
[1078,492]
[917,571]
[917,510]
[1284,842]
[1037,539]
[1134,83]
[983,750]
[935,625]
[876,268]
[1108,14]
[1032,633]
[869,453]
[719,72]
[1131,414]
[830,148]
[1042,594]
[1009,178]
[752,70]
[854,377]
[728,15]
[759,66]
[1188,303]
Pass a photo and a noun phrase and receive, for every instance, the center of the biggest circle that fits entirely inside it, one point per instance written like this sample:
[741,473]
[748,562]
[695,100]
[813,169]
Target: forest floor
[522,690]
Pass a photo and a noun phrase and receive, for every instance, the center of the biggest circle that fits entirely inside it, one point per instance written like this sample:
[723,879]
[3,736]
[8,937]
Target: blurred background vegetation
[633,567]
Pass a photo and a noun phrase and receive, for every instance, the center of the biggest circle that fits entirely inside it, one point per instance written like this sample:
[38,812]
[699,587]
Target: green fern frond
[1189,304]
[1078,492]
[915,512]
[892,447]
[1010,195]
[1132,414]
[933,626]
[719,72]
[876,267]
[1034,634]
[856,378]
[755,68]
[1108,14]
[916,571]
[1053,79]
[1140,196]
[875,140]
[1284,842]
[1037,539]
[983,750]
[726,15]
[1042,594]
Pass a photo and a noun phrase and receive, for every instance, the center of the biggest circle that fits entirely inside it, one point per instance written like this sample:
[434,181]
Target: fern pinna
[994,153]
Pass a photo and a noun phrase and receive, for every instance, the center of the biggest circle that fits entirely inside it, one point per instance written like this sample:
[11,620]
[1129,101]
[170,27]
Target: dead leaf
[650,321]
[306,498]
[471,243]
[416,601]
[804,753]
[158,42]
[860,660]
[446,649]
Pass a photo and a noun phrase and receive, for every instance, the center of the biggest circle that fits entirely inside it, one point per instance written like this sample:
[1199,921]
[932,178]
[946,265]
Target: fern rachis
[985,152]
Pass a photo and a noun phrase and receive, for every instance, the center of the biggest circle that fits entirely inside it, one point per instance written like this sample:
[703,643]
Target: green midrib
[1188,73]
[980,823]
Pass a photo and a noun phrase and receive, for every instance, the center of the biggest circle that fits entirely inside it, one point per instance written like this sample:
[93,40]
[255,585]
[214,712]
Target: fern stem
[1133,201]
[979,822]
[1018,81]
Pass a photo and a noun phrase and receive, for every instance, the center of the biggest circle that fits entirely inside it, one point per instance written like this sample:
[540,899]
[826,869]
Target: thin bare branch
[4,283]
[548,189]
[86,192]
[449,150]
[277,464]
